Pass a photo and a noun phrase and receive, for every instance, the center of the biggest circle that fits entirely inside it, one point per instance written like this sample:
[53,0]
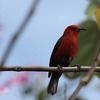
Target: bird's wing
[54,51]
[52,55]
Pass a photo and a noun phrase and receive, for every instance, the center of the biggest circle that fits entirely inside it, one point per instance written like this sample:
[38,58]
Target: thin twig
[19,32]
[87,77]
[65,91]
[47,69]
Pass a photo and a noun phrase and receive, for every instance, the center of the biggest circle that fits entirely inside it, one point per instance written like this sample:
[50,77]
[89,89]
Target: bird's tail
[53,84]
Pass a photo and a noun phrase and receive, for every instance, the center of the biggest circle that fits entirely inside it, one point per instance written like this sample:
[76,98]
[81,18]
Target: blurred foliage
[98,16]
[42,95]
[93,4]
[28,90]
[80,98]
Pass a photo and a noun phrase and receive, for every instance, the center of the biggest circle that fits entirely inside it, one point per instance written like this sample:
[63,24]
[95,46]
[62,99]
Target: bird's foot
[78,66]
[59,68]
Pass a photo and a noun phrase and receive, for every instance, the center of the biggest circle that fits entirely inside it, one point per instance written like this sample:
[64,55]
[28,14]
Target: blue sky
[35,45]
[43,30]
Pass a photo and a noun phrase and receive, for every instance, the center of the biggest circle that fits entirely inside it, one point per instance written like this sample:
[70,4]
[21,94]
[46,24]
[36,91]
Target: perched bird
[63,53]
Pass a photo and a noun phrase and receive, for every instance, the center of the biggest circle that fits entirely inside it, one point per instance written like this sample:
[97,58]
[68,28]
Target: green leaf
[97,14]
[90,11]
[41,95]
[72,75]
[95,2]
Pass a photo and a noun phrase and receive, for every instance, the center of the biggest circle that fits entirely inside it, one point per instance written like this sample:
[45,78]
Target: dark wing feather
[52,63]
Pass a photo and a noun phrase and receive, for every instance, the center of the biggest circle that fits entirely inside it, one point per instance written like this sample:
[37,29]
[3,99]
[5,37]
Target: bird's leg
[78,66]
[59,68]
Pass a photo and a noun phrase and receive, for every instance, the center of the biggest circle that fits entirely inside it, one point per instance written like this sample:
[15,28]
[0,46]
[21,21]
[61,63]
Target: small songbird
[63,53]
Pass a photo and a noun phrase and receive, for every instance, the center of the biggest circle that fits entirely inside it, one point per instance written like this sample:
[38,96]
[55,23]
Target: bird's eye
[74,29]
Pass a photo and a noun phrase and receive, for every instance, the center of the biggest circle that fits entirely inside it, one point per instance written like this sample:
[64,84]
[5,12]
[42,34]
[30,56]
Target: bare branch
[87,77]
[47,69]
[18,33]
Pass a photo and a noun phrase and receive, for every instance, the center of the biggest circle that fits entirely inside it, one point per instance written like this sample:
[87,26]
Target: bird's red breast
[67,49]
[68,46]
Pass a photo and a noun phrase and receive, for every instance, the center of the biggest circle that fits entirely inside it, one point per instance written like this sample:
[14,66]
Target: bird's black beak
[80,29]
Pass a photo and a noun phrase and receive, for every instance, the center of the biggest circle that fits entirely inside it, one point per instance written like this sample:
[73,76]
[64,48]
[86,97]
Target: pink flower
[17,80]
[3,89]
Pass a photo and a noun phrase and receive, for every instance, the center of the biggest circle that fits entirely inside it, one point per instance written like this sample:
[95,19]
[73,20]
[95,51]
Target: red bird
[63,53]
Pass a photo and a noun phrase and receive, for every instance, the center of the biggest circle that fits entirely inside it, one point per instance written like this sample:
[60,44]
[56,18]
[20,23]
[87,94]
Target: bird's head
[73,29]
